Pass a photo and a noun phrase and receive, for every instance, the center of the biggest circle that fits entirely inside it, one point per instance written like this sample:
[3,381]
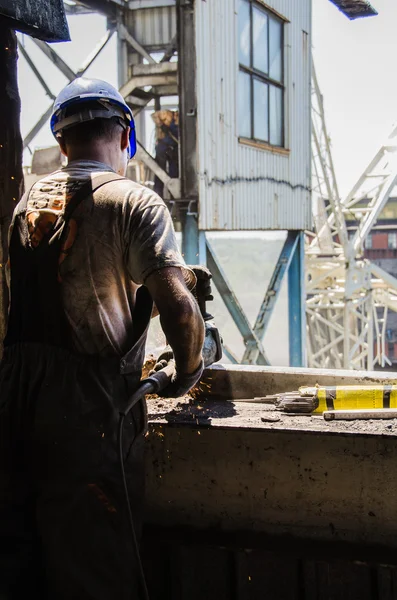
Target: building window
[261,74]
[368,242]
[392,241]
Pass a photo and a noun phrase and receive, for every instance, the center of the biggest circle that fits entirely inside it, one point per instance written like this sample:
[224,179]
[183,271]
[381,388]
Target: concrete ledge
[246,381]
[306,484]
[214,465]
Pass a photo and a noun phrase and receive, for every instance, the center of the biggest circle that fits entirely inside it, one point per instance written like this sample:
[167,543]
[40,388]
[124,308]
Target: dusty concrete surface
[246,381]
[244,415]
[229,466]
[238,467]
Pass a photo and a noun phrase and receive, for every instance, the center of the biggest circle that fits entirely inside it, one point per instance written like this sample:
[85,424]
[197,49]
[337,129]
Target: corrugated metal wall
[242,187]
[154,28]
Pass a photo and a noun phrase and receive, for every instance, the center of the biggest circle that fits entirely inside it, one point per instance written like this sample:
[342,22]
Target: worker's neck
[98,154]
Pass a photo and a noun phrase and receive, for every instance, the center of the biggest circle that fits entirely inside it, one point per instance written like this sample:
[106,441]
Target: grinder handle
[151,385]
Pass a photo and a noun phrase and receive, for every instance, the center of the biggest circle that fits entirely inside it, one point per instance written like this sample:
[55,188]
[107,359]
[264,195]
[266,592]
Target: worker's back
[82,243]
[106,252]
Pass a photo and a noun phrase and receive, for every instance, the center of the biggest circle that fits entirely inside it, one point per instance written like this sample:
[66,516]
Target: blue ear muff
[132,144]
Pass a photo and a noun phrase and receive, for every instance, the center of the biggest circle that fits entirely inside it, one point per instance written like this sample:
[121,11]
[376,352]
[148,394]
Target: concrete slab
[215,464]
[301,477]
[247,381]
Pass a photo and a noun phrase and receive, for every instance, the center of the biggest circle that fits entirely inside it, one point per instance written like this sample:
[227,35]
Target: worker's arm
[180,318]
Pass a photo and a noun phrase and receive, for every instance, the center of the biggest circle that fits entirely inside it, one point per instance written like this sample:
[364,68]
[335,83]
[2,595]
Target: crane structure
[347,296]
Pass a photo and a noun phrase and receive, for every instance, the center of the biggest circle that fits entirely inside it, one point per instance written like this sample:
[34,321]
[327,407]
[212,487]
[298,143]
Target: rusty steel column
[11,174]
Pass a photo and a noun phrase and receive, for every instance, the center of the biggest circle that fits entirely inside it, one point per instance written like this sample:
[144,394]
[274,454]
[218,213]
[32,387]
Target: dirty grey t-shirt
[117,237]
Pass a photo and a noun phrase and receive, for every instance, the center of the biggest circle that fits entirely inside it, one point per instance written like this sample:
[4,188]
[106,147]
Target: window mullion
[268,113]
[283,82]
[268,73]
[252,107]
[251,38]
[252,65]
[274,89]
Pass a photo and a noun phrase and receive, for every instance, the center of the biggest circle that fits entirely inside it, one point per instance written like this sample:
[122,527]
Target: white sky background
[86,31]
[356,66]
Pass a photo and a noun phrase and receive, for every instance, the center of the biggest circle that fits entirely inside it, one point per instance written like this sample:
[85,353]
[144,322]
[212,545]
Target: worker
[91,253]
[166,151]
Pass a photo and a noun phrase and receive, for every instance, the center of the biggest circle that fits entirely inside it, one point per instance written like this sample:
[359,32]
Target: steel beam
[77,9]
[56,59]
[35,71]
[139,4]
[233,359]
[324,167]
[173,185]
[168,54]
[109,8]
[123,31]
[96,51]
[296,305]
[122,56]
[40,123]
[187,99]
[190,238]
[154,69]
[67,71]
[371,217]
[389,281]
[141,81]
[232,304]
[266,309]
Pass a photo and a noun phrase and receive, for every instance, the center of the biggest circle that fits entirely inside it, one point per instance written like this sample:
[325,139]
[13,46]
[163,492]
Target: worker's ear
[62,146]
[125,139]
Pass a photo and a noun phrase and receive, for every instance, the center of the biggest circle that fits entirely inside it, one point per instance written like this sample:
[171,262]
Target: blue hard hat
[110,104]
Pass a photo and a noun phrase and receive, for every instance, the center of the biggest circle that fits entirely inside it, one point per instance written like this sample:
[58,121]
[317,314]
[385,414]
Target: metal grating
[355,9]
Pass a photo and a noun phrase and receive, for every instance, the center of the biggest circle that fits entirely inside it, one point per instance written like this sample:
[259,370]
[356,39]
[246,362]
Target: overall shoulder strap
[89,188]
[23,203]
[86,189]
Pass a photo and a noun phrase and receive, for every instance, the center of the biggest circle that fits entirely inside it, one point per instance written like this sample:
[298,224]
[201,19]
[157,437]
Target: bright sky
[356,68]
[355,61]
[86,31]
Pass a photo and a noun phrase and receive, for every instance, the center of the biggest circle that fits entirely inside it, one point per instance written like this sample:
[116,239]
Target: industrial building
[244,127]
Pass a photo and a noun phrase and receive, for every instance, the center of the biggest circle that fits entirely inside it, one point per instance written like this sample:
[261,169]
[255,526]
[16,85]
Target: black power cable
[151,385]
[141,573]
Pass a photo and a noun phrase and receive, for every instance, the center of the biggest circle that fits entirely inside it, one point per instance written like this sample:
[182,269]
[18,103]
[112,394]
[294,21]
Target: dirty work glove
[179,385]
[202,291]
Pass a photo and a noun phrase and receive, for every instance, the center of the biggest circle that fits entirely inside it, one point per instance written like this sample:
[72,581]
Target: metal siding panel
[152,27]
[243,187]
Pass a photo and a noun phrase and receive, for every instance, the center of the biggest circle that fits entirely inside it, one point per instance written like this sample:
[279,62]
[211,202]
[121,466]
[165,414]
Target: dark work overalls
[64,532]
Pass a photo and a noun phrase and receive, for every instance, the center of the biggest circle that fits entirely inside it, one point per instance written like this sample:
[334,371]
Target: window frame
[368,243]
[392,236]
[256,74]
